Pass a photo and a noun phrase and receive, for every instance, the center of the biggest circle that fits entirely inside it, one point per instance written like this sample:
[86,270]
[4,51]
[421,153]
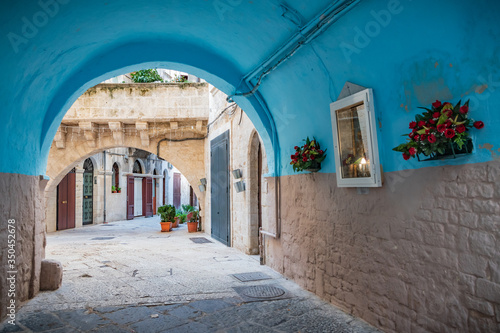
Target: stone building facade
[106,205]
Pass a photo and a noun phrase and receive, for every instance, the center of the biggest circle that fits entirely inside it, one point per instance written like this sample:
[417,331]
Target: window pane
[352,130]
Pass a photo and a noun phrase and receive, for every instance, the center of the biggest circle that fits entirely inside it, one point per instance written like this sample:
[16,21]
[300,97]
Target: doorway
[88,192]
[66,197]
[219,188]
[177,190]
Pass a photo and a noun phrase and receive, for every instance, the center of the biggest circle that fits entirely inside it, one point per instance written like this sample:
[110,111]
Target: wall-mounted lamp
[95,179]
[239,186]
[237,173]
[203,181]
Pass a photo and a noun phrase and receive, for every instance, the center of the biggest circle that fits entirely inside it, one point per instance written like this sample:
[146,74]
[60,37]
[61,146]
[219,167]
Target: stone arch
[153,53]
[142,165]
[253,201]
[187,157]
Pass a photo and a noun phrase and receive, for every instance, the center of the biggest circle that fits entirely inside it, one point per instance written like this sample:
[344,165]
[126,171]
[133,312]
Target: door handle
[64,202]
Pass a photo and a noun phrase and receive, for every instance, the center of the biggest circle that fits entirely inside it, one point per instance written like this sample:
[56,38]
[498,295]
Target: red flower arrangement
[437,128]
[308,156]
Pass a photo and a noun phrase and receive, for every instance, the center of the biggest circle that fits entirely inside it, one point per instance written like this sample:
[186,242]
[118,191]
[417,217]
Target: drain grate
[263,292]
[269,292]
[108,225]
[253,276]
[200,240]
[102,238]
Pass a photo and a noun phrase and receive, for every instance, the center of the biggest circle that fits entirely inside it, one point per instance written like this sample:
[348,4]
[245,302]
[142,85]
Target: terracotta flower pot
[176,223]
[166,226]
[192,226]
[113,191]
[189,216]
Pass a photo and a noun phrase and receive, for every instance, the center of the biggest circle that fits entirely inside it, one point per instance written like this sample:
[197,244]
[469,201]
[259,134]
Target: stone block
[488,290]
[483,243]
[51,275]
[472,264]
[479,305]
[455,190]
[480,190]
[468,220]
[485,206]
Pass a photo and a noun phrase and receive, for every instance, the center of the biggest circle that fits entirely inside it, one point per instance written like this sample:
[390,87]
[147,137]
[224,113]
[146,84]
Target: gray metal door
[219,188]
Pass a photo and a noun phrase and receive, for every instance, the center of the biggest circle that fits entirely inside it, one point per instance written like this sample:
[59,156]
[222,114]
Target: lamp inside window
[356,153]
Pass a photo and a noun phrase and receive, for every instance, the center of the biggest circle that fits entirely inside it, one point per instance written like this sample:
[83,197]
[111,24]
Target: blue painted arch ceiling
[420,51]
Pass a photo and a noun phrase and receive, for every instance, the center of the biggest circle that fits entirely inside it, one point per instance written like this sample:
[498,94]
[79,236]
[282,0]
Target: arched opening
[116,177]
[255,189]
[88,192]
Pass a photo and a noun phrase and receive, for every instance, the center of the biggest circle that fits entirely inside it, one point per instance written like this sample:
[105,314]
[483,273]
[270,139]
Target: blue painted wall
[51,51]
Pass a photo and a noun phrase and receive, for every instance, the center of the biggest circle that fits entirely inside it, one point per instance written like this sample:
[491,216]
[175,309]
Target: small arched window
[116,175]
[137,167]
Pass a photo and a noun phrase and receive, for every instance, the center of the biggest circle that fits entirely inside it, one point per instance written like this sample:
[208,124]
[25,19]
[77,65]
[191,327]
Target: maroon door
[164,185]
[147,196]
[130,197]
[177,190]
[66,202]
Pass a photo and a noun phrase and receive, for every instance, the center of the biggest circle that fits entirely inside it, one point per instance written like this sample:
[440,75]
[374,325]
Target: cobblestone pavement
[129,277]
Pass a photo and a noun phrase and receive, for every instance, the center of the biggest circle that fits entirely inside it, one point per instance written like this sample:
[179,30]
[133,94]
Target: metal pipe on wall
[104,165]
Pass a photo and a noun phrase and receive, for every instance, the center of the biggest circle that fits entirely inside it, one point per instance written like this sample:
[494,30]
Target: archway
[255,189]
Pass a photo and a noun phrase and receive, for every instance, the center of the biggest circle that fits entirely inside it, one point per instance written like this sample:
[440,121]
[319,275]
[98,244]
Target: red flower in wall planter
[440,132]
[308,157]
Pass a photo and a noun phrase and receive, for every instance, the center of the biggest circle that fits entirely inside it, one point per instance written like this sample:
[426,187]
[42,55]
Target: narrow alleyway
[129,277]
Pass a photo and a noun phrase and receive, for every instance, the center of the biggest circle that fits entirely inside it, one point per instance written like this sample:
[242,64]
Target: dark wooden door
[219,188]
[130,197]
[154,195]
[66,202]
[164,188]
[177,190]
[147,196]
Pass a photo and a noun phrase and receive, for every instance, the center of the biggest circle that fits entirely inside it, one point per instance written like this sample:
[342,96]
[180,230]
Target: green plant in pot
[193,221]
[119,189]
[178,218]
[167,215]
[113,189]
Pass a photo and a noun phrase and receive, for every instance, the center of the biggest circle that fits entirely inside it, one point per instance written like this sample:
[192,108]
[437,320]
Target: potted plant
[192,218]
[119,189]
[178,219]
[442,131]
[167,215]
[308,157]
[113,189]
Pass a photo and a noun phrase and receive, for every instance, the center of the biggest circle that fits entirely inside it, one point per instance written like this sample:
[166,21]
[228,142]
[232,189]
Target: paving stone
[250,328]
[129,315]
[112,329]
[41,321]
[160,324]
[82,319]
[192,327]
[316,322]
[186,312]
[7,328]
[210,305]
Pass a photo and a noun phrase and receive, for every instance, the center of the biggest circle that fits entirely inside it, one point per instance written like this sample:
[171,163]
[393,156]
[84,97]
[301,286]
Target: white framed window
[355,141]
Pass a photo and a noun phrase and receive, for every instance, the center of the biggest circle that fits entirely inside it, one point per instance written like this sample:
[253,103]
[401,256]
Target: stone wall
[21,199]
[243,147]
[141,101]
[419,254]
